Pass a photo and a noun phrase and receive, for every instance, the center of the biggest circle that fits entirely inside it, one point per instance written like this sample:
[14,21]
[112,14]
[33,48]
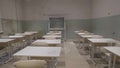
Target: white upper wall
[19,9]
[103,8]
[8,9]
[70,9]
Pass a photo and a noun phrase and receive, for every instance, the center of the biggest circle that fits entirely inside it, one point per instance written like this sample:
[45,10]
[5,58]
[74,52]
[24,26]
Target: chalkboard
[56,22]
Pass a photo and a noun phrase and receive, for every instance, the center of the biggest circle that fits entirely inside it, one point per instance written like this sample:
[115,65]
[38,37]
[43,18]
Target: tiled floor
[70,58]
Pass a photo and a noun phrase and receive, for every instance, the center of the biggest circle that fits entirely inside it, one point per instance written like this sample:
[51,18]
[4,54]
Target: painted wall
[28,15]
[34,15]
[73,25]
[34,25]
[103,8]
[108,26]
[76,14]
[11,9]
[106,18]
[70,9]
[8,10]
[11,14]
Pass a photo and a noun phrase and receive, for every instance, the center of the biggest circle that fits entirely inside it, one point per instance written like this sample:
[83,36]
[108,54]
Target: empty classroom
[59,34]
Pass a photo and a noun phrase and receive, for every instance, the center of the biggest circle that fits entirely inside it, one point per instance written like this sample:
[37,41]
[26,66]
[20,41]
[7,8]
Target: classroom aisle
[70,58]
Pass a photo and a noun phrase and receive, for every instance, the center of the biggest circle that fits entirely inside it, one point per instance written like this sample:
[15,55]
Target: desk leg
[93,51]
[10,52]
[114,60]
[79,43]
[9,49]
[28,57]
[54,62]
[110,61]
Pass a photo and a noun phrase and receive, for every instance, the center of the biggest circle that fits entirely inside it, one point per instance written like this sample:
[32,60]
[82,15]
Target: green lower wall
[9,26]
[13,26]
[107,26]
[71,26]
[40,26]
[20,26]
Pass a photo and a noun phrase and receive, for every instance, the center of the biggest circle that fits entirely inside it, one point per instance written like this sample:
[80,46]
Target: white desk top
[23,34]
[91,36]
[57,36]
[102,40]
[84,33]
[5,40]
[81,33]
[54,33]
[27,33]
[53,41]
[19,34]
[16,36]
[39,51]
[114,50]
[32,32]
[76,31]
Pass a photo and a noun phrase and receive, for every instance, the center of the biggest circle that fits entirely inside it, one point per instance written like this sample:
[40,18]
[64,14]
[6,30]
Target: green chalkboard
[56,22]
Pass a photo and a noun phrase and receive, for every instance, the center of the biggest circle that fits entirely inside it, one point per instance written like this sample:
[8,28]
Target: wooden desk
[81,34]
[31,51]
[80,39]
[91,36]
[76,32]
[54,41]
[20,40]
[86,37]
[53,33]
[7,43]
[80,31]
[52,36]
[34,33]
[100,42]
[28,36]
[17,38]
[116,52]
